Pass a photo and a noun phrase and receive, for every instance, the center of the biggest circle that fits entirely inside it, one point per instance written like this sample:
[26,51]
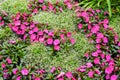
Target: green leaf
[109,8]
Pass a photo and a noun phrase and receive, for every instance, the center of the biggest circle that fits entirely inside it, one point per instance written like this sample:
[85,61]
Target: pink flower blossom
[53,69]
[15,71]
[95,29]
[49,41]
[24,72]
[12,41]
[82,70]
[114,77]
[96,60]
[100,35]
[18,78]
[44,7]
[105,26]
[35,29]
[89,65]
[86,55]
[33,36]
[97,71]
[56,42]
[51,33]
[2,23]
[98,11]
[41,1]
[72,41]
[107,77]
[80,26]
[108,57]
[40,33]
[98,46]
[102,55]
[105,39]
[95,54]
[3,65]
[0,18]
[37,78]
[17,23]
[69,34]
[69,75]
[109,70]
[35,11]
[61,74]
[50,6]
[105,21]
[15,28]
[23,26]
[98,40]
[57,48]
[41,39]
[8,60]
[91,74]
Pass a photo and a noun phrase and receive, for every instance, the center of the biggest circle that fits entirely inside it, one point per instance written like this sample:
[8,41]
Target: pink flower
[44,7]
[18,78]
[17,23]
[57,48]
[96,60]
[109,70]
[95,29]
[89,65]
[82,70]
[86,55]
[49,41]
[0,18]
[3,65]
[105,21]
[35,29]
[105,26]
[41,1]
[107,77]
[91,74]
[108,57]
[15,28]
[12,41]
[114,77]
[97,71]
[80,26]
[56,42]
[31,32]
[119,44]
[98,46]
[98,40]
[61,74]
[35,10]
[51,33]
[69,34]
[2,23]
[37,78]
[72,41]
[61,9]
[23,26]
[15,71]
[33,36]
[105,40]
[95,54]
[50,6]
[53,69]
[8,60]
[69,75]
[41,39]
[102,55]
[100,35]
[98,11]
[69,6]
[40,33]
[24,72]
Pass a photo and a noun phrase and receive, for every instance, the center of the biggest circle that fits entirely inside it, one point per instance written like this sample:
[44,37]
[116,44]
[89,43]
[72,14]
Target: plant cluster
[101,63]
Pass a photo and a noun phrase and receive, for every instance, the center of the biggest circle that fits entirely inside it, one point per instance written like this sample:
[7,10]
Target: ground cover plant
[57,40]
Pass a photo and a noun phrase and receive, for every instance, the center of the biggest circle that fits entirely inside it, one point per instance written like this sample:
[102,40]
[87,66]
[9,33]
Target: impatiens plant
[101,63]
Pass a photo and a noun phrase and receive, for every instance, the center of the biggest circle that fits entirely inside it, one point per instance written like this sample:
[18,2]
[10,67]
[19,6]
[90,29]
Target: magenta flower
[95,29]
[57,48]
[37,78]
[69,34]
[50,6]
[105,21]
[98,71]
[8,60]
[105,26]
[3,65]
[95,54]
[89,65]
[80,26]
[69,75]
[18,78]
[69,6]
[91,74]
[53,69]
[33,36]
[12,41]
[114,77]
[105,40]
[109,70]
[96,60]
[98,40]
[49,41]
[15,28]
[51,33]
[35,29]
[72,41]
[41,1]
[0,18]
[100,35]
[15,71]
[17,23]
[41,39]
[56,42]
[35,11]
[24,72]
[23,26]
[40,33]
[108,57]
[44,7]
[2,23]
[102,55]
[61,74]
